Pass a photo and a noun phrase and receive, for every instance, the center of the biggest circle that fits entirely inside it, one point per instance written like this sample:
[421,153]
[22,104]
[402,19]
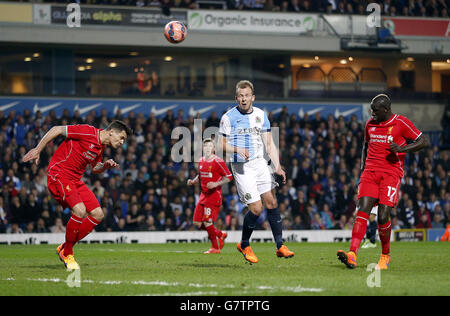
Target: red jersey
[397,129]
[212,170]
[81,147]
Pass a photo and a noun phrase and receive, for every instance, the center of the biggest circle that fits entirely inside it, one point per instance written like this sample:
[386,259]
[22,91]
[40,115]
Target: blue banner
[435,234]
[160,107]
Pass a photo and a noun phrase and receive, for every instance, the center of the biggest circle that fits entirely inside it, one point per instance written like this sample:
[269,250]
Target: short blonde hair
[245,84]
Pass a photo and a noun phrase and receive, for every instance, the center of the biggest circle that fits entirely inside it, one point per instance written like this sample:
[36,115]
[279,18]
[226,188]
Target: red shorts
[205,213]
[70,193]
[380,185]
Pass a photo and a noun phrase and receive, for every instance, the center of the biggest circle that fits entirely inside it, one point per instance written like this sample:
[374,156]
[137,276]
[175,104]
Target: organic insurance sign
[238,21]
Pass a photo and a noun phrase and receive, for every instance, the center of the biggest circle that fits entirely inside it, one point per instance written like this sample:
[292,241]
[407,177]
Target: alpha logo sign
[115,16]
[283,23]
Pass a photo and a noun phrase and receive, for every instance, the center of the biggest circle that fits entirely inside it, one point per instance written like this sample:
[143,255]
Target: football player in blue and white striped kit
[245,133]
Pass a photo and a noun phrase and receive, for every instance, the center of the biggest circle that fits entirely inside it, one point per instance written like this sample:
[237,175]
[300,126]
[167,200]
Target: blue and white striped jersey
[244,130]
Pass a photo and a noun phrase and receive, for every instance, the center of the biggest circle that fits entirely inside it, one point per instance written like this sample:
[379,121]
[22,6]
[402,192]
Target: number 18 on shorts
[205,213]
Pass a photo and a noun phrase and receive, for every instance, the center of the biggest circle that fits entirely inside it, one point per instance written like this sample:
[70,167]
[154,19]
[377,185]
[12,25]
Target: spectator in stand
[58,227]
[14,229]
[294,6]
[320,155]
[153,4]
[423,218]
[437,221]
[188,4]
[298,223]
[317,222]
[40,226]
[342,223]
[420,8]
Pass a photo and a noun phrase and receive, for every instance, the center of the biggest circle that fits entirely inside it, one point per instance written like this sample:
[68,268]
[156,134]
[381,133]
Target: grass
[420,268]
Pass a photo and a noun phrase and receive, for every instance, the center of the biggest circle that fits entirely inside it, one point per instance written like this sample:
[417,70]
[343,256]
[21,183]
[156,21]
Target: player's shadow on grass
[47,267]
[210,265]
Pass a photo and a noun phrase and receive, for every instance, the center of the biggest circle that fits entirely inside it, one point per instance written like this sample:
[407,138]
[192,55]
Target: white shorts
[252,179]
[374,210]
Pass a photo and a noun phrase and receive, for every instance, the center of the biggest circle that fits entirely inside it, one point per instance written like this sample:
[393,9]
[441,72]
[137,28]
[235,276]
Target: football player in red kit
[212,174]
[388,138]
[83,146]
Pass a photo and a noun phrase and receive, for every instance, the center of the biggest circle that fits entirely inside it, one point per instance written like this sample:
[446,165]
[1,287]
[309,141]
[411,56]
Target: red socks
[71,234]
[359,230]
[86,227]
[76,229]
[384,232]
[218,232]
[212,236]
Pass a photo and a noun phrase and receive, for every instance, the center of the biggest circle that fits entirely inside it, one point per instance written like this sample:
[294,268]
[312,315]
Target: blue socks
[274,217]
[248,227]
[372,231]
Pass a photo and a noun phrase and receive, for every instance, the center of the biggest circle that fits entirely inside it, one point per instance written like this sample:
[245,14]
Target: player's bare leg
[365,205]
[384,232]
[275,222]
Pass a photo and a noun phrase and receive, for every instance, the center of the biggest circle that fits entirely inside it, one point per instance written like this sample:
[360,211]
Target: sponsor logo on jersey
[89,155]
[250,130]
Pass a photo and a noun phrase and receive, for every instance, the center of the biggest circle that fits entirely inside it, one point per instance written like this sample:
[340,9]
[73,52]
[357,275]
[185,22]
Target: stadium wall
[109,25]
[199,236]
[176,237]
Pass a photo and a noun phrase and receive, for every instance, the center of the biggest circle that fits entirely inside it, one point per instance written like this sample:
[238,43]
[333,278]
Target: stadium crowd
[149,192]
[423,8]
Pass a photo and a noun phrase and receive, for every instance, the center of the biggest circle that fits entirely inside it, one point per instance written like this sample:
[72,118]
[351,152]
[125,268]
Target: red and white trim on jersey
[217,160]
[96,134]
[56,163]
[379,136]
[81,147]
[392,119]
[417,134]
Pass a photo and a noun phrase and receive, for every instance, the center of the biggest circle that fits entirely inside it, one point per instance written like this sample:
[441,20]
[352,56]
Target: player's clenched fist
[281,173]
[109,164]
[243,152]
[191,182]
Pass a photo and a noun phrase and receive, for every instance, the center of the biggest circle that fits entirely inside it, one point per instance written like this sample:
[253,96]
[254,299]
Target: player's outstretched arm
[34,153]
[419,144]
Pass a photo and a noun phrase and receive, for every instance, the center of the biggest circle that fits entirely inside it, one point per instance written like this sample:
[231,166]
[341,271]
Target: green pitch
[182,269]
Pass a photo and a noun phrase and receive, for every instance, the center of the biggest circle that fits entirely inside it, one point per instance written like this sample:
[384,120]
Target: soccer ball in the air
[175,32]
